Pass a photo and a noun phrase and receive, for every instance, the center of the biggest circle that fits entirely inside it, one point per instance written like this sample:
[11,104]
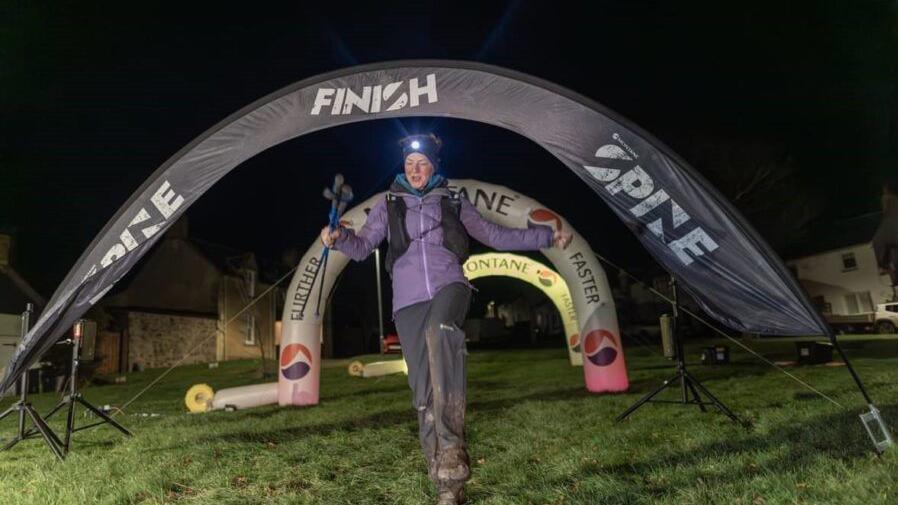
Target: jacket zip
[421,238]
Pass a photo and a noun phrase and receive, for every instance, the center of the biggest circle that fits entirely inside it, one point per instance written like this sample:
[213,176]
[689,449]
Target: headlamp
[426,144]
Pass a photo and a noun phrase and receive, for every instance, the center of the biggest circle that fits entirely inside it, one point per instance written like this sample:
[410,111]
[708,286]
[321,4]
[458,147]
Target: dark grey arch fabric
[686,225]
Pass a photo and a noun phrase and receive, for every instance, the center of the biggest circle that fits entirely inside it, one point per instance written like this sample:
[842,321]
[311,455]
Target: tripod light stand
[26,411]
[690,388]
[73,396]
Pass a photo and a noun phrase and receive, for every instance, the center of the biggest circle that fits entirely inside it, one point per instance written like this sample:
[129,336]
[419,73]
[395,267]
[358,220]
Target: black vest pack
[455,237]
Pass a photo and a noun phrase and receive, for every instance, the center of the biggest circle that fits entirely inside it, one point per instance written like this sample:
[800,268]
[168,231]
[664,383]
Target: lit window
[249,335]
[249,332]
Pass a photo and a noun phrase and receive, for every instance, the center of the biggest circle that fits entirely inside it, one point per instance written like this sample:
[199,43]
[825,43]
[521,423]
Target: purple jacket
[427,266]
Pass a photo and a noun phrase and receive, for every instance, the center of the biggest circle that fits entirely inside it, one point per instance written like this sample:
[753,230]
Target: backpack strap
[399,237]
[455,236]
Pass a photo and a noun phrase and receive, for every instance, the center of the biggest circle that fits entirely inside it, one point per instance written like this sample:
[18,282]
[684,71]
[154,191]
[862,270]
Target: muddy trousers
[433,345]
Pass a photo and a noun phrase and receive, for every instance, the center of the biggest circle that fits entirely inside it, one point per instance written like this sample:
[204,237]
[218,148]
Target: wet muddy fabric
[433,345]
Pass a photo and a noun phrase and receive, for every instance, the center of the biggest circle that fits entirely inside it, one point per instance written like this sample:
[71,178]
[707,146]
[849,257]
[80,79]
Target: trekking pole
[339,195]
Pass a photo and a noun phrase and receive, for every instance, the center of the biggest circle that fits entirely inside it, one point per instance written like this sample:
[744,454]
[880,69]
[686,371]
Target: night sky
[94,98]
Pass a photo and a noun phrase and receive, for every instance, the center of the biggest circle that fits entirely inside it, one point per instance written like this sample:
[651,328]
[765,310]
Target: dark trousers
[433,345]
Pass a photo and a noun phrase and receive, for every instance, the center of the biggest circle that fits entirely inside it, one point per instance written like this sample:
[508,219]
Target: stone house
[186,297]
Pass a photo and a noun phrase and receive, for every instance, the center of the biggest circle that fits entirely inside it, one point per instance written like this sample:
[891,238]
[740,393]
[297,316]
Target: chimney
[5,248]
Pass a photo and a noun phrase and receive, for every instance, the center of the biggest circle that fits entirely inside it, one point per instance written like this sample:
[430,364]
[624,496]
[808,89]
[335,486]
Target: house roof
[229,260]
[831,235]
[226,259]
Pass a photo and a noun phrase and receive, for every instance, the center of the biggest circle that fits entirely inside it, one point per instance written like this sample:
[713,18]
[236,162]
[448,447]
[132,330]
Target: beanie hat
[429,145]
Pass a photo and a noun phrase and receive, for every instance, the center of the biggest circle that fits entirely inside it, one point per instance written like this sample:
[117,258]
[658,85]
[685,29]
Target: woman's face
[418,170]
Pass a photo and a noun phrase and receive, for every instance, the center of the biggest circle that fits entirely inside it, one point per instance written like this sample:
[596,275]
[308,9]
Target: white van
[886,318]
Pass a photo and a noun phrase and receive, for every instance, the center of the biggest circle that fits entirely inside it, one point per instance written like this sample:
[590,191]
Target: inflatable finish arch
[296,365]
[604,369]
[683,222]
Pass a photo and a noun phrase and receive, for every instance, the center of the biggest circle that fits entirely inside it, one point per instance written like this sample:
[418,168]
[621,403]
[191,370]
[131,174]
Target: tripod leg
[698,398]
[723,408]
[8,411]
[31,431]
[50,437]
[69,424]
[102,415]
[13,441]
[683,391]
[22,409]
[646,398]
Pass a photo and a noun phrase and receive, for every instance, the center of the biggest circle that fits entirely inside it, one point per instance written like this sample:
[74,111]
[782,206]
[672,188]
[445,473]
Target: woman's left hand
[562,239]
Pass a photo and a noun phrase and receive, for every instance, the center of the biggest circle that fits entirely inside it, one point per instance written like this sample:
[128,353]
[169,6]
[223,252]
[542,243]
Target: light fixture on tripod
[690,387]
[73,396]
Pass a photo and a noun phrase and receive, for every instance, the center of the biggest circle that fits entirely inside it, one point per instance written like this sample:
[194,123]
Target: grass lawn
[535,435]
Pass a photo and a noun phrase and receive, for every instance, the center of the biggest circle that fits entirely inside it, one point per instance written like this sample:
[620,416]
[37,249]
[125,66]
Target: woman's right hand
[328,237]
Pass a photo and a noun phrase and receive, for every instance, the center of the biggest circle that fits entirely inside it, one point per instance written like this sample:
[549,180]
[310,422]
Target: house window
[249,333]
[851,304]
[249,281]
[849,262]
[865,300]
[858,303]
